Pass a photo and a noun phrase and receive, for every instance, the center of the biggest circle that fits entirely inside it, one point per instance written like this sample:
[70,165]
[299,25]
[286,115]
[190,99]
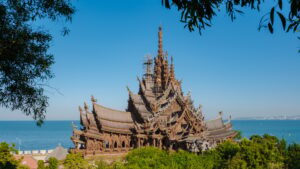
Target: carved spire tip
[128,89]
[80,109]
[86,107]
[93,99]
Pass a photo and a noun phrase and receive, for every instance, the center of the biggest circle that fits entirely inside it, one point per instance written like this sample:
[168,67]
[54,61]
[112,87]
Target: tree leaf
[283,20]
[280,4]
[239,11]
[290,27]
[272,15]
[270,27]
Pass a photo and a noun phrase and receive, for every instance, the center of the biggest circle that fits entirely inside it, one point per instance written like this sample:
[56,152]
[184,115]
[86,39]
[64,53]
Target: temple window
[106,144]
[123,144]
[131,143]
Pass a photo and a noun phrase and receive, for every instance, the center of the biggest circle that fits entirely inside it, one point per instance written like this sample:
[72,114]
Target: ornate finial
[129,91]
[160,49]
[199,109]
[189,94]
[220,113]
[93,99]
[86,107]
[80,109]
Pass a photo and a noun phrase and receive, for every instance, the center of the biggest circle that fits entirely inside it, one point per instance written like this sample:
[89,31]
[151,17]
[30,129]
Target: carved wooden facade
[158,115]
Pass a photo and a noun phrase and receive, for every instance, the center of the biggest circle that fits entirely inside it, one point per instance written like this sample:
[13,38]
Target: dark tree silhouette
[25,64]
[198,14]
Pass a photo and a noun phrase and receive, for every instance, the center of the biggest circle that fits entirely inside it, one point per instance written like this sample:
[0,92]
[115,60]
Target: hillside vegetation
[261,152]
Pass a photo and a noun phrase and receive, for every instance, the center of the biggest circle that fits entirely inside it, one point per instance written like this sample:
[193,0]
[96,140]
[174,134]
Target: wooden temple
[159,115]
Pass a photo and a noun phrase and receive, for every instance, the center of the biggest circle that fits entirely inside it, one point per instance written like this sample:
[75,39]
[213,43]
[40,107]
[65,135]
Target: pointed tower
[172,73]
[165,73]
[159,62]
[160,48]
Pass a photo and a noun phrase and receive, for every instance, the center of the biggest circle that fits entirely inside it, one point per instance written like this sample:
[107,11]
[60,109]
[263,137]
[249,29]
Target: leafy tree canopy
[7,159]
[25,64]
[75,161]
[198,14]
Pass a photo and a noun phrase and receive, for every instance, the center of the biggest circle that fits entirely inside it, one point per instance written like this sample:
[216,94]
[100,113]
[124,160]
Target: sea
[26,135]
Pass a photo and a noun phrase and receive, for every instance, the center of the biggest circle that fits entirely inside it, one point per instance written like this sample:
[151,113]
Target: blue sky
[231,67]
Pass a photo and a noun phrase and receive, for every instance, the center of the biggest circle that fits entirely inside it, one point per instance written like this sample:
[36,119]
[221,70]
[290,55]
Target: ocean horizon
[26,135]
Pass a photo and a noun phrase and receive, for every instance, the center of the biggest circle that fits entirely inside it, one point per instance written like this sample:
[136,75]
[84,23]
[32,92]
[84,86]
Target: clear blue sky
[232,67]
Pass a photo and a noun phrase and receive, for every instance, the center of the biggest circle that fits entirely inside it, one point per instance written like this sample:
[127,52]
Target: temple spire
[160,47]
[172,73]
[165,73]
[80,109]
[86,107]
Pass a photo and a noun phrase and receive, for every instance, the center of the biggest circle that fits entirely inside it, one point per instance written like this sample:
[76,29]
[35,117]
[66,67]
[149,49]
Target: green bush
[101,164]
[53,163]
[147,157]
[75,161]
[41,164]
[293,156]
[7,160]
[258,152]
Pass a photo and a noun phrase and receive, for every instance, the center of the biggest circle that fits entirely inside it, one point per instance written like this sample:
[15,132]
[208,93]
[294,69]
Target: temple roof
[140,105]
[113,120]
[214,124]
[59,153]
[218,130]
[112,115]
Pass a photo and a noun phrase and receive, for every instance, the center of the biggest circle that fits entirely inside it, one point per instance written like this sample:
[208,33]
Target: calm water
[53,133]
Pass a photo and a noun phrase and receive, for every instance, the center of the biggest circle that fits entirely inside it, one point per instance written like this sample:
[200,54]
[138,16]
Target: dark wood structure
[158,115]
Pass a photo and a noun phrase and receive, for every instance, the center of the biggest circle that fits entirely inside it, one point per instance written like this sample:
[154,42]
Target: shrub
[147,157]
[101,164]
[7,159]
[75,161]
[53,163]
[41,164]
[293,156]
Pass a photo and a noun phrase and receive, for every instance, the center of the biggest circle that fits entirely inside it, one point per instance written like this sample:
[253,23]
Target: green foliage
[199,15]
[293,156]
[53,163]
[23,167]
[117,165]
[7,159]
[25,64]
[41,164]
[227,150]
[75,161]
[258,152]
[184,159]
[101,164]
[236,163]
[147,157]
[238,136]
